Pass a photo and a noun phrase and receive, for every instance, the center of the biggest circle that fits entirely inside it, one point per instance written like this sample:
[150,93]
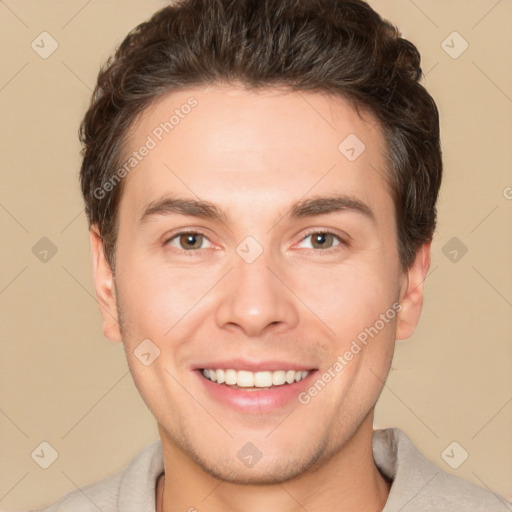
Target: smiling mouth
[247,380]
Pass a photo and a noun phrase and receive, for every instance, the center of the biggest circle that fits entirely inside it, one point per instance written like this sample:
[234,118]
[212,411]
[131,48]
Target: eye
[188,241]
[322,240]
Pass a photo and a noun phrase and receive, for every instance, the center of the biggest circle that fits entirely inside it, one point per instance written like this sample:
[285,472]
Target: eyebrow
[320,205]
[182,206]
[330,204]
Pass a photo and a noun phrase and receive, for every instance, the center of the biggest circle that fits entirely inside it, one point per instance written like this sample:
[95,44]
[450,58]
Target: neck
[347,480]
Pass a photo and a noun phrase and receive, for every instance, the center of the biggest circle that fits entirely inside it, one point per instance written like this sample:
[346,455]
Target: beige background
[63,383]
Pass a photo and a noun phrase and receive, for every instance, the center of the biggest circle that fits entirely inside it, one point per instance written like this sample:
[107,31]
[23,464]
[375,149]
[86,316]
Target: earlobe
[411,297]
[104,287]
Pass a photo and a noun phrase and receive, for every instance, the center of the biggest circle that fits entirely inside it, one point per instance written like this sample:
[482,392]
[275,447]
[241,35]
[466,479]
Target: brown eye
[191,241]
[322,240]
[188,241]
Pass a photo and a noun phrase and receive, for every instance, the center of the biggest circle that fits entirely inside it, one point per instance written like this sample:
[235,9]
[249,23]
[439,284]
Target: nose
[257,298]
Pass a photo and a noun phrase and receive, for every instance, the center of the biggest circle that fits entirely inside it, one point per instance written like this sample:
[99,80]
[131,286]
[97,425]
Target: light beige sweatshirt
[418,484]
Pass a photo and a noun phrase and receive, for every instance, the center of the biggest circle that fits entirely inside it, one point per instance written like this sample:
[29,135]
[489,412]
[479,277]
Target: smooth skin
[304,299]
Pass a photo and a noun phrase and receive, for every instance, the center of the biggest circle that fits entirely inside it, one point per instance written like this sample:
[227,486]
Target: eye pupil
[191,241]
[322,239]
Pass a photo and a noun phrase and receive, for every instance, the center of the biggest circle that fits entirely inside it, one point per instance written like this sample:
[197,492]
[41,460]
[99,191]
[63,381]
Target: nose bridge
[255,297]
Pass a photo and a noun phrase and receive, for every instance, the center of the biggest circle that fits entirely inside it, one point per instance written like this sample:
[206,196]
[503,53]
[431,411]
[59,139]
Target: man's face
[253,287]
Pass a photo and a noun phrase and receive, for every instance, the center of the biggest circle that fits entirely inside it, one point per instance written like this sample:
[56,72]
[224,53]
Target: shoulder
[100,495]
[131,488]
[419,485]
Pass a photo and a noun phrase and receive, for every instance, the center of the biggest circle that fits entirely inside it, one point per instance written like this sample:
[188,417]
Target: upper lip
[253,366]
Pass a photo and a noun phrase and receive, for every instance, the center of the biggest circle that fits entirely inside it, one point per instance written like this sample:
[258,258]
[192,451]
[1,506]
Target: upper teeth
[245,379]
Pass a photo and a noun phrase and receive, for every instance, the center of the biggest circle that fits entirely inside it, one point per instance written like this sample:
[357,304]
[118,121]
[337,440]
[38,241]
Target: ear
[411,293]
[104,286]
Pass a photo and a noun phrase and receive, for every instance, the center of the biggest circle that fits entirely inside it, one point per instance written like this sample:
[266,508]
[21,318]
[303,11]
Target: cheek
[348,298]
[155,298]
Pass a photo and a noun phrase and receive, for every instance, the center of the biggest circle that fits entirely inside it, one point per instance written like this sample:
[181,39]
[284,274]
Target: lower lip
[256,402]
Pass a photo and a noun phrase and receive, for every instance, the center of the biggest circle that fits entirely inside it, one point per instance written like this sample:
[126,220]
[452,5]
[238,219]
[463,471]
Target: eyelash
[193,252]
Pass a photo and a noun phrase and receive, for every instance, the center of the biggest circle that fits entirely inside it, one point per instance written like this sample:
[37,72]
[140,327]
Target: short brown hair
[339,47]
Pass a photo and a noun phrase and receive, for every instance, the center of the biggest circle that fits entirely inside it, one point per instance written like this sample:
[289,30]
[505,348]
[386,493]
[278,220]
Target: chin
[267,473]
[249,466]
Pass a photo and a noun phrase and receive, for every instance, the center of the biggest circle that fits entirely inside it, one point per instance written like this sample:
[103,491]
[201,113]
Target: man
[260,179]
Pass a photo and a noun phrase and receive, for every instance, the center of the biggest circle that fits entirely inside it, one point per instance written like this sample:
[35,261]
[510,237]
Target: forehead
[227,143]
